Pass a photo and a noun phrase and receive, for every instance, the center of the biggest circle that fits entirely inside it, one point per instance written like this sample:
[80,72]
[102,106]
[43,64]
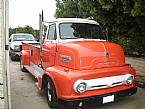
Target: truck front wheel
[51,94]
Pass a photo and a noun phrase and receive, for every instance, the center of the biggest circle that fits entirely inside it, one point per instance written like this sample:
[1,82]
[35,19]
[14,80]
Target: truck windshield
[23,38]
[80,30]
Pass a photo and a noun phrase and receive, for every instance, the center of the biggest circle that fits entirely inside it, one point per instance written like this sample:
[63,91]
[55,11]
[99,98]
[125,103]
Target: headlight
[80,87]
[129,80]
[16,47]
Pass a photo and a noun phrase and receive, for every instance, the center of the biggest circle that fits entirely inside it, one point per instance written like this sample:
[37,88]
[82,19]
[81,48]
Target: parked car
[15,42]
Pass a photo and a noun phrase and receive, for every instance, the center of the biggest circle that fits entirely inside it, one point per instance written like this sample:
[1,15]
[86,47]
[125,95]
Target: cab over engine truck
[75,63]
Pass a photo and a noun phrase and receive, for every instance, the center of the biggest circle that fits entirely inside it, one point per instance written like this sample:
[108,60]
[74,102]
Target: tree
[70,8]
[26,29]
[11,31]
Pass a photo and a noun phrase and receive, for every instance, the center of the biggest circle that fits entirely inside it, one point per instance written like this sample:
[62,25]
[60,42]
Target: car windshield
[80,30]
[23,38]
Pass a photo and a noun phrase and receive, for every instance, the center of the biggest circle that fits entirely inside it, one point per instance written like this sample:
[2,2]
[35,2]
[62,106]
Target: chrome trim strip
[105,82]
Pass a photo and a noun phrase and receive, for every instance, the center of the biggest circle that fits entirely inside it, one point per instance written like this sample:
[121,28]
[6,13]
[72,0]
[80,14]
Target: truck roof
[77,20]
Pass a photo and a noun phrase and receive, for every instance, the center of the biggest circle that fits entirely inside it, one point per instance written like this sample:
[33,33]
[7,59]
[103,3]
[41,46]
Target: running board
[36,71]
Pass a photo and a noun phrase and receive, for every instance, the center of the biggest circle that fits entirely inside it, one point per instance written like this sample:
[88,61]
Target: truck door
[49,47]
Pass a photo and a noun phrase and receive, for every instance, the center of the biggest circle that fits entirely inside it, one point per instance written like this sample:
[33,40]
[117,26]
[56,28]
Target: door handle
[31,52]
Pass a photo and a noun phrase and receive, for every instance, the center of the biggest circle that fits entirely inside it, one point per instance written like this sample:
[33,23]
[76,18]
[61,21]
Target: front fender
[61,80]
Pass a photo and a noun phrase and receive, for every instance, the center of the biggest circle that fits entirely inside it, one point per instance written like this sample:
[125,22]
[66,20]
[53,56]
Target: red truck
[75,63]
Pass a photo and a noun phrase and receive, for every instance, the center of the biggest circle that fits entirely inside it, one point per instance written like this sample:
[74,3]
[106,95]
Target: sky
[26,12]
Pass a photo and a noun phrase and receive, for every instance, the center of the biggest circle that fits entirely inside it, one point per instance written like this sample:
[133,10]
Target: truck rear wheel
[21,65]
[51,94]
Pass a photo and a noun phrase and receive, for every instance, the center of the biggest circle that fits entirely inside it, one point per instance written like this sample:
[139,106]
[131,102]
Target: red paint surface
[88,61]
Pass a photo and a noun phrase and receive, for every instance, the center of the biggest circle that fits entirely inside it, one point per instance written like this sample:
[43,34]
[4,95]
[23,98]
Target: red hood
[91,54]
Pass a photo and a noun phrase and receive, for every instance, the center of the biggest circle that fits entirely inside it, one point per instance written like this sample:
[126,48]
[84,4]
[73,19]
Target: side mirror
[10,40]
[42,38]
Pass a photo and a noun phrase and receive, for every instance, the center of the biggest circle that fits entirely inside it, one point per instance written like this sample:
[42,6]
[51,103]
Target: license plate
[108,99]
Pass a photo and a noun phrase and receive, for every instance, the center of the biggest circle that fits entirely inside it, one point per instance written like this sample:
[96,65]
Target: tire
[23,69]
[51,93]
[17,58]
[13,58]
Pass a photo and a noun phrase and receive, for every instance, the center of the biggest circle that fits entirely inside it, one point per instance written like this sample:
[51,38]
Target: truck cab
[75,63]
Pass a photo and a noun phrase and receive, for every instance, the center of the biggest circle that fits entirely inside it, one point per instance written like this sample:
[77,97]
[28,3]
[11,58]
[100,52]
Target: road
[24,93]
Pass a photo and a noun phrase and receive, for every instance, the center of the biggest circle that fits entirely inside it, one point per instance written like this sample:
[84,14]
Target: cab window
[51,32]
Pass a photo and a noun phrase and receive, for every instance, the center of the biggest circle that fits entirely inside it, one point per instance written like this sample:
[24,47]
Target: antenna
[41,24]
[42,16]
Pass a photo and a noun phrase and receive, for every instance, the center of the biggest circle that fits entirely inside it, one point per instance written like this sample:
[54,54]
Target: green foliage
[26,29]
[12,31]
[139,8]
[71,8]
[120,17]
[131,46]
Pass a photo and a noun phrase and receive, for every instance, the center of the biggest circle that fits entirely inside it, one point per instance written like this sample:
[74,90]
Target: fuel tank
[89,54]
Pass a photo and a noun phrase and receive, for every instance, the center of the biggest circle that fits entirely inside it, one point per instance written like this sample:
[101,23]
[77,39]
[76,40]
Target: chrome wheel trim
[48,92]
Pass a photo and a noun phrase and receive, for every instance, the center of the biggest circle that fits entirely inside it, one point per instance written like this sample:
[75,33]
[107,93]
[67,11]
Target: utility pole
[5,101]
